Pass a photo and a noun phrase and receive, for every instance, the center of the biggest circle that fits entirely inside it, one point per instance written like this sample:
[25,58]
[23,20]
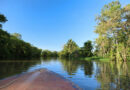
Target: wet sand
[37,80]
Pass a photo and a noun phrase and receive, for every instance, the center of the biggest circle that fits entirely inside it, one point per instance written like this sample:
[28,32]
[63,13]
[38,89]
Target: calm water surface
[89,75]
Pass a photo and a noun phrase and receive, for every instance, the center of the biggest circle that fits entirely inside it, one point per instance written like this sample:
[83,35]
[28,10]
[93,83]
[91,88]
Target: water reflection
[49,59]
[89,75]
[88,68]
[71,66]
[10,68]
[113,75]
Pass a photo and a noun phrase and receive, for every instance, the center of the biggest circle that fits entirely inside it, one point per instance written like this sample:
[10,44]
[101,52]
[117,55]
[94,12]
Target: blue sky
[48,24]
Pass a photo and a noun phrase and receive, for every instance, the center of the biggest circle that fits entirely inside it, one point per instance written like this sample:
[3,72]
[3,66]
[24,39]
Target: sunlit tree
[69,48]
[113,28]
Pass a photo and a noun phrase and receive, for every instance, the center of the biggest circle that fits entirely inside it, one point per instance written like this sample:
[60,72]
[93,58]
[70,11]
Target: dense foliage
[13,47]
[71,49]
[113,28]
[87,49]
[47,53]
[2,20]
[68,49]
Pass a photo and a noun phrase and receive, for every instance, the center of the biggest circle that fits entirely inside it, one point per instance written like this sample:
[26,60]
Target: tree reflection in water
[71,66]
[10,68]
[113,75]
[108,75]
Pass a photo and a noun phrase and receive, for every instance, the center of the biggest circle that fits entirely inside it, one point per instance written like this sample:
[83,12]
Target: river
[88,75]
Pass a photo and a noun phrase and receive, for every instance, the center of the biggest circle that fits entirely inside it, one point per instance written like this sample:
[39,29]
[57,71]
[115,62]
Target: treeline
[13,47]
[72,50]
[113,28]
[47,53]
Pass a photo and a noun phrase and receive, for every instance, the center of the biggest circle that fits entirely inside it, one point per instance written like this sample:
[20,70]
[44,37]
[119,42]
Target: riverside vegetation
[113,42]
[13,47]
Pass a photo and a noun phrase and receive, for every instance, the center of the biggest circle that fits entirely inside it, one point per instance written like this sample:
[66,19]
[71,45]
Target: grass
[95,58]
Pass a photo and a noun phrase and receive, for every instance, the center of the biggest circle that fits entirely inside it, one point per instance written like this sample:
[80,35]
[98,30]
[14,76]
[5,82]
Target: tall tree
[69,48]
[87,49]
[113,29]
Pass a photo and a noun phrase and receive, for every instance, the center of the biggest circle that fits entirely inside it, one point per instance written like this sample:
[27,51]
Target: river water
[89,75]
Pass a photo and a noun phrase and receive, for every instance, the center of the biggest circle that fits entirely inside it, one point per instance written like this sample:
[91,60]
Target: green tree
[4,44]
[2,20]
[69,48]
[47,53]
[17,35]
[87,49]
[13,47]
[113,30]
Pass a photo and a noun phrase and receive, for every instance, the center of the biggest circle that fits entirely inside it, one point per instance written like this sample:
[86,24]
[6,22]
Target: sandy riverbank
[37,80]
